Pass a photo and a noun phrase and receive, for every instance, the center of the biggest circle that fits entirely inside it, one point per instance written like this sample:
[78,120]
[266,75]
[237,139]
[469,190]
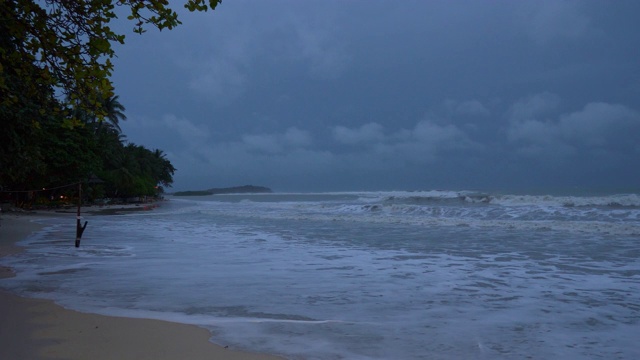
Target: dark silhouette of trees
[60,118]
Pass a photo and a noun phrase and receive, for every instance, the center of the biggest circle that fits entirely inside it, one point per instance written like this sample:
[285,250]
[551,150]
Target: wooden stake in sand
[79,229]
[93,179]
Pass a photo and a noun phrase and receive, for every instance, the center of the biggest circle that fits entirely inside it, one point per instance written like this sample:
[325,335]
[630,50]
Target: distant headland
[246,189]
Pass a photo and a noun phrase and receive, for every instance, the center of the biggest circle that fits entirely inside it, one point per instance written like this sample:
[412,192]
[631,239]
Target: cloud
[292,138]
[220,66]
[421,144]
[552,20]
[220,80]
[434,135]
[326,58]
[217,65]
[367,133]
[261,87]
[292,154]
[427,140]
[297,138]
[599,124]
[534,106]
[263,143]
[318,42]
[538,139]
[169,132]
[188,132]
[538,133]
[532,131]
[267,159]
[466,108]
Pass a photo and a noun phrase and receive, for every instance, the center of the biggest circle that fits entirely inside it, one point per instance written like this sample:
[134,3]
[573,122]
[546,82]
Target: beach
[431,275]
[40,329]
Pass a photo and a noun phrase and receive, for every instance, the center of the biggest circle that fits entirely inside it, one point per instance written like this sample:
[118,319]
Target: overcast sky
[340,95]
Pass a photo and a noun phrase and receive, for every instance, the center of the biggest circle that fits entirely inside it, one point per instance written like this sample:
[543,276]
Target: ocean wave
[630,200]
[612,201]
[613,214]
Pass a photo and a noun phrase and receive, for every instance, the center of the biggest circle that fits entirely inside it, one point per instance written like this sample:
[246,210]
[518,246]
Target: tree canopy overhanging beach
[67,45]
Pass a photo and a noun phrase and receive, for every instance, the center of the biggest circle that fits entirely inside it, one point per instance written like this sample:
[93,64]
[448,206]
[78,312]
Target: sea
[362,275]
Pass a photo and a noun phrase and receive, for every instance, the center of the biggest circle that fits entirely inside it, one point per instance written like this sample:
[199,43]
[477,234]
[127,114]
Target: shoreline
[40,329]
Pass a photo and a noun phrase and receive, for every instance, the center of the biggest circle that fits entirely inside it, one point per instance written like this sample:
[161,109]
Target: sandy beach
[40,329]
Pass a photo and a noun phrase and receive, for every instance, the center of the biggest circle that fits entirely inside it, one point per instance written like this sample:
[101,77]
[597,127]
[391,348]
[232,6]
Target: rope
[43,189]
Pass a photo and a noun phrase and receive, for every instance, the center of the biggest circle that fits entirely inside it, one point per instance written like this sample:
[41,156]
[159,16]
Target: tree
[163,169]
[23,108]
[69,45]
[55,93]
[138,171]
[114,112]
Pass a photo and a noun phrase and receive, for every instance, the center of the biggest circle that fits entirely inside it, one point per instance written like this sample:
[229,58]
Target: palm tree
[166,169]
[115,111]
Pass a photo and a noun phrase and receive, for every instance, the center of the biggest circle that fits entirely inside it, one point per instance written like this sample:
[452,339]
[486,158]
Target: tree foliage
[55,93]
[49,155]
[67,45]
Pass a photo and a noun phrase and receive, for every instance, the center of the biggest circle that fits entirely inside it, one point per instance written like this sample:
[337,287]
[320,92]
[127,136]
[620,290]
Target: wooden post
[79,229]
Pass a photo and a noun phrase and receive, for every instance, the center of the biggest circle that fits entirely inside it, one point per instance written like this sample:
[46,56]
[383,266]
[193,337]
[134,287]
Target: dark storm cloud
[342,95]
